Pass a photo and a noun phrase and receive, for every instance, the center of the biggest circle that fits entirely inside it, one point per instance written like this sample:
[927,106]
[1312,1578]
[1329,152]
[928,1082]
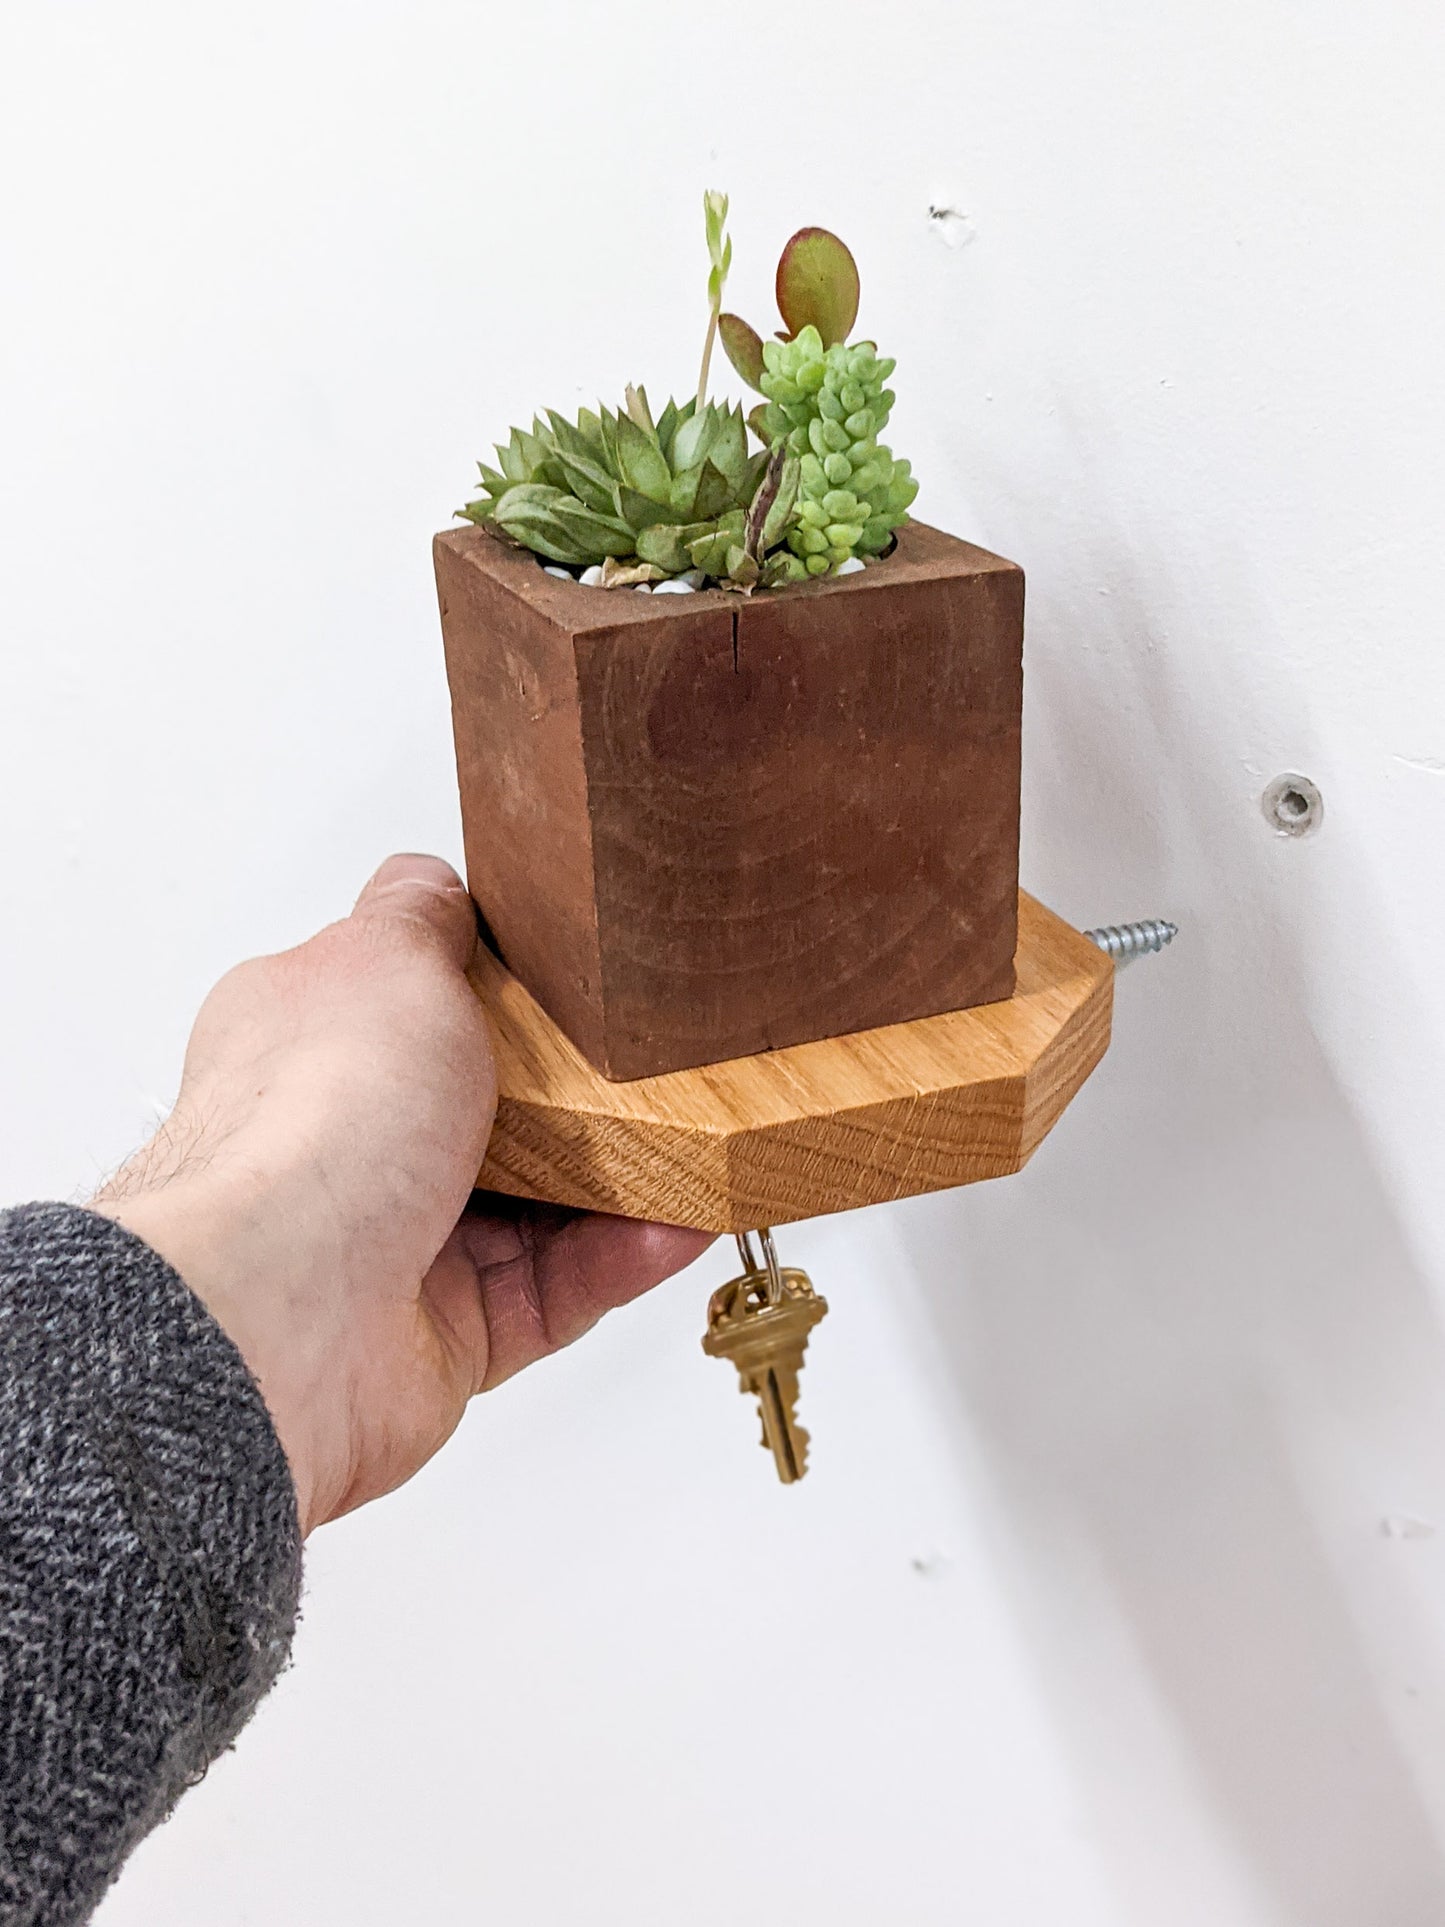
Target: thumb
[426,891]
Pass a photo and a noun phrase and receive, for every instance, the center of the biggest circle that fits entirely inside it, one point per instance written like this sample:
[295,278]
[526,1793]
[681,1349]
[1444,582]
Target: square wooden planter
[703,826]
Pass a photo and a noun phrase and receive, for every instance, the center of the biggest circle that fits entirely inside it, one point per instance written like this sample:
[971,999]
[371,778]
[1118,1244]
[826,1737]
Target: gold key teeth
[762,1321]
[782,1435]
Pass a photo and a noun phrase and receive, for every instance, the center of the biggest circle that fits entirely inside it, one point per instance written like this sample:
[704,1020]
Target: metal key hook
[769,1265]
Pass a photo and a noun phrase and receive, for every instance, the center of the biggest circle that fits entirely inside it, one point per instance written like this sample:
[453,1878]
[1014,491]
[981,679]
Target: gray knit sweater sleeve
[150,1559]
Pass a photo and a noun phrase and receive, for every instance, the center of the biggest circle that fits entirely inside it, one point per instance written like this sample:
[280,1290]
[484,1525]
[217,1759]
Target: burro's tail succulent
[827,403]
[648,498]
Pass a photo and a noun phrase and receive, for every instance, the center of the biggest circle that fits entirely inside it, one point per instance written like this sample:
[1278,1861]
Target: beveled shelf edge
[814,1129]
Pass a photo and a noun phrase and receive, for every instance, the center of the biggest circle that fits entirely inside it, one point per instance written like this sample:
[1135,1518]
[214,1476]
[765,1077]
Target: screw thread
[1123,941]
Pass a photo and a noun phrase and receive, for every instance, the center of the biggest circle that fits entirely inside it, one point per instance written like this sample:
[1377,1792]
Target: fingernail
[414,867]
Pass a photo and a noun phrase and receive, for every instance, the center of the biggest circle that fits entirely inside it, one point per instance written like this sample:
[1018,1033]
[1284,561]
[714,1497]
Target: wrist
[200,1228]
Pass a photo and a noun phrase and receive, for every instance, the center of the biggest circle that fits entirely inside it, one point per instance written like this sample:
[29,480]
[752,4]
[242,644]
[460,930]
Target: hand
[312,1187]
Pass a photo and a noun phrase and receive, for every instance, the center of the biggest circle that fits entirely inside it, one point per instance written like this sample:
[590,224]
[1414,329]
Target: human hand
[313,1186]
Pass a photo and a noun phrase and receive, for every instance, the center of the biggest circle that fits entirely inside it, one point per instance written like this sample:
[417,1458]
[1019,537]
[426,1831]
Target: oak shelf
[812,1129]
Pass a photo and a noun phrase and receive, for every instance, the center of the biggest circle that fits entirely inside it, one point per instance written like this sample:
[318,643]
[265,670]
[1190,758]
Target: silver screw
[1126,941]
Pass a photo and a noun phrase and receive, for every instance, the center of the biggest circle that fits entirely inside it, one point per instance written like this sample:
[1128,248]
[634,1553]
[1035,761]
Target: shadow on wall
[1162,1337]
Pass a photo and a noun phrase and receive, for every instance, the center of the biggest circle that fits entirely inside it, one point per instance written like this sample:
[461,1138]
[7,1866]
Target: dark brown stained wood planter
[702,826]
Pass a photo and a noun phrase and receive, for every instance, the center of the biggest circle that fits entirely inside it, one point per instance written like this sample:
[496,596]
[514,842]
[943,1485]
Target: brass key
[761,1321]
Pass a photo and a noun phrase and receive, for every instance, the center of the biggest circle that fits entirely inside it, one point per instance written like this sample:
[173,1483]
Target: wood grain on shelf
[815,1128]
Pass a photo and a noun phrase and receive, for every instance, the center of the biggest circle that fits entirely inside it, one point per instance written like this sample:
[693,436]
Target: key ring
[769,1267]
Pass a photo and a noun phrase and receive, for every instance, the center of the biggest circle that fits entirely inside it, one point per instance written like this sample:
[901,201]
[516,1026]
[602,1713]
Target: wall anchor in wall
[1293,805]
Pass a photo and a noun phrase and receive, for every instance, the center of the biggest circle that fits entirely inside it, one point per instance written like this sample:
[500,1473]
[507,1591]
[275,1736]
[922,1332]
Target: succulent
[680,493]
[683,495]
[826,403]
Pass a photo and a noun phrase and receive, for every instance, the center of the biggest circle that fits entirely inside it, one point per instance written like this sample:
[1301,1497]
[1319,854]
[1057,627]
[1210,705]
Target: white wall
[1087,1613]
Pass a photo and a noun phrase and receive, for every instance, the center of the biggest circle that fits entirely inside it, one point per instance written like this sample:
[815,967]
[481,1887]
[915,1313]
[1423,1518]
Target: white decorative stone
[592,577]
[675,586]
[850,567]
[643,588]
[555,568]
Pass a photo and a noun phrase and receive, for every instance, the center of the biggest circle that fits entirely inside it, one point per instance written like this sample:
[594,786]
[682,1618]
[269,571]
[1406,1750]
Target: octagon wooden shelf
[815,1128]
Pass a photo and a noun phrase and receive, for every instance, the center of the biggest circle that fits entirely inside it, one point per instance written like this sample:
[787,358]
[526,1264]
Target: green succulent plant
[681,493]
[684,495]
[827,404]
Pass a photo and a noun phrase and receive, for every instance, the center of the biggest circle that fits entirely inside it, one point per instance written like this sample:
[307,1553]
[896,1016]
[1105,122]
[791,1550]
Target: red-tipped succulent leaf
[818,283]
[744,348]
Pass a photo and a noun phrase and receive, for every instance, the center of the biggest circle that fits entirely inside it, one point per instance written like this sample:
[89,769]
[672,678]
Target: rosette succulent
[678,494]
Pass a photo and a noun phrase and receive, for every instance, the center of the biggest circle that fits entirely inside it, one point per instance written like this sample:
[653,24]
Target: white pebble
[643,588]
[591,577]
[553,568]
[850,567]
[676,586]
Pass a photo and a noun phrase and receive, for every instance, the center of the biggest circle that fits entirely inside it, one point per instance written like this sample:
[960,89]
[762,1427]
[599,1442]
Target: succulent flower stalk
[720,256]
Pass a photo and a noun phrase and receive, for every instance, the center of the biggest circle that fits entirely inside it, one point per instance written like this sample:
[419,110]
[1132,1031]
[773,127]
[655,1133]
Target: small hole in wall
[1293,805]
[948,223]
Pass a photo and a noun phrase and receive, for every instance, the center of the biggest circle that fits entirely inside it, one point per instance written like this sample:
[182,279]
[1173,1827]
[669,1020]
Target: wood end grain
[809,1130]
